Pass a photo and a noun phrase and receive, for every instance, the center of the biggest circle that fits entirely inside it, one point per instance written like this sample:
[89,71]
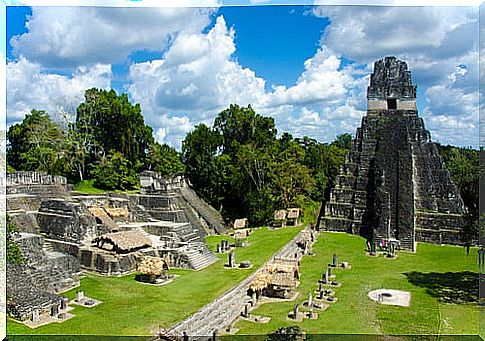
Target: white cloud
[368,33]
[452,114]
[3,71]
[173,129]
[60,37]
[29,87]
[197,74]
[197,77]
[321,81]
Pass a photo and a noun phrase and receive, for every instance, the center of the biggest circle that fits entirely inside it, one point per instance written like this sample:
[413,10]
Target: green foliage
[37,144]
[290,333]
[343,141]
[10,169]
[164,159]
[115,172]
[114,123]
[238,126]
[87,187]
[105,123]
[14,255]
[464,168]
[292,178]
[324,161]
[198,155]
[241,166]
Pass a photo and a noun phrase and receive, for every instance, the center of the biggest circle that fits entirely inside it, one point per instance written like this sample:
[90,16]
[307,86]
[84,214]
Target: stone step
[199,260]
[48,247]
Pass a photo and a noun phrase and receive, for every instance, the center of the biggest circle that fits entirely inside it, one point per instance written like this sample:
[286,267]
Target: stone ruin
[279,279]
[61,233]
[288,217]
[393,184]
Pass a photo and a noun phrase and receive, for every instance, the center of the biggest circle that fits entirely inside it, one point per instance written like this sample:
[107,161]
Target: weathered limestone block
[64,220]
[25,222]
[31,246]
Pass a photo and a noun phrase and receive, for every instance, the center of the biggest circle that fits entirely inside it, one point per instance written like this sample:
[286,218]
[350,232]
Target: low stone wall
[23,202]
[438,228]
[64,220]
[37,178]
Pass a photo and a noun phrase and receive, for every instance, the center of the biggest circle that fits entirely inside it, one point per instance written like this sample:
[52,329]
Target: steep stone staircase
[199,256]
[207,212]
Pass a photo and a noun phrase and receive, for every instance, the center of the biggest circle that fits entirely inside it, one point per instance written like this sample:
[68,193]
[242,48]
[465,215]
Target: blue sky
[306,66]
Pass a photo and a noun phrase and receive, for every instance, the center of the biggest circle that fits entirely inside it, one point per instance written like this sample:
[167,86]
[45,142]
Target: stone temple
[393,184]
[62,233]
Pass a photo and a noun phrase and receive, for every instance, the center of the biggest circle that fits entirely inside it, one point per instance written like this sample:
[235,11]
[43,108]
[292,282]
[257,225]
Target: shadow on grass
[450,287]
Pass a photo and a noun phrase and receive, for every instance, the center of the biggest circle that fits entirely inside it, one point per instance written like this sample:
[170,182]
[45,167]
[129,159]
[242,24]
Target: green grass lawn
[427,274]
[132,308]
[87,187]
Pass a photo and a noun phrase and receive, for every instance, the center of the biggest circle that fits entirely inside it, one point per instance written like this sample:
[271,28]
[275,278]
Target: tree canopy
[463,165]
[108,141]
[36,144]
[240,165]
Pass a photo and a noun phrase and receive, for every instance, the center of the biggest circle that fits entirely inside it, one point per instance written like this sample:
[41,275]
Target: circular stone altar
[391,297]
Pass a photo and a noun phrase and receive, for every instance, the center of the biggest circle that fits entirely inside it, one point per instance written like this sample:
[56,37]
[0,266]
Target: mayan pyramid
[393,184]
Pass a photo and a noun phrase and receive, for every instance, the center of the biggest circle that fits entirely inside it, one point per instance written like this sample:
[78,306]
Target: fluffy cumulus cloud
[61,37]
[452,111]
[327,99]
[197,77]
[440,45]
[367,33]
[197,73]
[30,87]
[3,117]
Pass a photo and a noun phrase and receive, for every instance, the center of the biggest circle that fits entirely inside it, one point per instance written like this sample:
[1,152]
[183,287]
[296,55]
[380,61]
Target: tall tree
[199,149]
[164,159]
[343,141]
[115,172]
[115,124]
[292,179]
[238,126]
[464,168]
[37,144]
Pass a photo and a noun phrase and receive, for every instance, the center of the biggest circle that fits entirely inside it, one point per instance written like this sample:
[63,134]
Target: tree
[464,168]
[37,144]
[290,333]
[164,159]
[199,149]
[324,161]
[238,126]
[14,255]
[343,141]
[292,178]
[115,124]
[115,172]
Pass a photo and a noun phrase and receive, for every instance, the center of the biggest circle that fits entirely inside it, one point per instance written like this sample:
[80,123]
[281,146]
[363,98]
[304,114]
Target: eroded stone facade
[394,185]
